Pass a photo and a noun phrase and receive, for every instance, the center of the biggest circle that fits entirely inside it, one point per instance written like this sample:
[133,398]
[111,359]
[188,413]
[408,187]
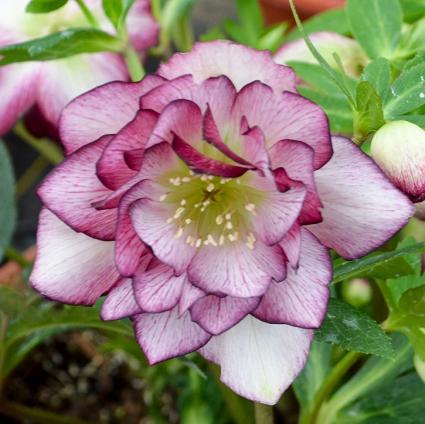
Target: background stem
[134,64]
[263,414]
[89,16]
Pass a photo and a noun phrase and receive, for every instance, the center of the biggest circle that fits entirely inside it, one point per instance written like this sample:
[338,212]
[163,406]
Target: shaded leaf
[116,11]
[378,73]
[44,6]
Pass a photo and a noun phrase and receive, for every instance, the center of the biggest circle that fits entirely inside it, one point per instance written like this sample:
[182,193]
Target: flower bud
[357,292]
[399,149]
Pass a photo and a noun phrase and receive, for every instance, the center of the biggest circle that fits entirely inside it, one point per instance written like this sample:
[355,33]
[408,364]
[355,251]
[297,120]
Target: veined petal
[301,299]
[361,208]
[103,110]
[291,245]
[287,116]
[236,270]
[167,334]
[140,16]
[70,267]
[240,64]
[217,314]
[259,361]
[71,189]
[120,302]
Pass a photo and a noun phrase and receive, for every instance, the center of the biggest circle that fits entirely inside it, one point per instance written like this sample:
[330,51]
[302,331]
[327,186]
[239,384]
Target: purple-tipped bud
[399,149]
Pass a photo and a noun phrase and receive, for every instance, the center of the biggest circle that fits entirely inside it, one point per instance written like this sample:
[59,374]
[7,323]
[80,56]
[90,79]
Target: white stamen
[211,240]
[204,178]
[250,207]
[229,225]
[163,197]
[169,220]
[186,179]
[183,202]
[198,242]
[228,216]
[179,233]
[219,220]
[221,240]
[187,221]
[179,212]
[210,187]
[189,239]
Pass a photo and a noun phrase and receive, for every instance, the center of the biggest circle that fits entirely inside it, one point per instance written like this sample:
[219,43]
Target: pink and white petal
[65,79]
[18,84]
[217,314]
[259,361]
[297,159]
[71,189]
[361,208]
[103,110]
[120,302]
[190,295]
[157,289]
[143,30]
[70,267]
[277,212]
[291,245]
[168,334]
[285,116]
[240,64]
[236,270]
[182,118]
[149,218]
[112,169]
[254,148]
[301,300]
[200,163]
[134,158]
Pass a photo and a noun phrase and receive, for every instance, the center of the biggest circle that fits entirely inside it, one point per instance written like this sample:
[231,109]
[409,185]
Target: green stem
[14,255]
[24,413]
[89,16]
[184,34]
[4,322]
[386,292]
[328,386]
[134,64]
[44,146]
[27,179]
[263,414]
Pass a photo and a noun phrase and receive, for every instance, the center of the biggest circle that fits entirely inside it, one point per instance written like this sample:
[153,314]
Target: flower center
[212,211]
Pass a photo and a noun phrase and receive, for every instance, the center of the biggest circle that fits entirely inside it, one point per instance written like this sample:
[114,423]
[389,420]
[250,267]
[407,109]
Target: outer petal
[103,110]
[239,63]
[361,208]
[120,302]
[236,270]
[259,361]
[297,159]
[157,289]
[167,334]
[65,79]
[72,188]
[287,116]
[18,84]
[301,299]
[71,267]
[190,295]
[217,314]
[291,245]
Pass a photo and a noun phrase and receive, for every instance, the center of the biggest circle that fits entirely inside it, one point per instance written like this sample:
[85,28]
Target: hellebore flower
[52,84]
[349,51]
[203,200]
[399,149]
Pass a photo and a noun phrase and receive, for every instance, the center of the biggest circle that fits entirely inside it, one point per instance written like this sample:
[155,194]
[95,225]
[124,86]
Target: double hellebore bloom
[51,85]
[203,201]
[399,149]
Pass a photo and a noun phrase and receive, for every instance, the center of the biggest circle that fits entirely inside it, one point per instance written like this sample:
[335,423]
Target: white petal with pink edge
[361,208]
[300,299]
[258,360]
[168,334]
[70,267]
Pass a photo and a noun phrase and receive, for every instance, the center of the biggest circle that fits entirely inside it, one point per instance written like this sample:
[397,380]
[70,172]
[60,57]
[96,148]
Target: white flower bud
[399,149]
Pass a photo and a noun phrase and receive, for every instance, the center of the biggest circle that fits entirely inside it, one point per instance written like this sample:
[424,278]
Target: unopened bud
[399,149]
[357,292]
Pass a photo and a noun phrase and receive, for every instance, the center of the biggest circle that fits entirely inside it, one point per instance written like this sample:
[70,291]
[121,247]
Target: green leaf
[413,9]
[378,73]
[44,6]
[402,402]
[116,11]
[378,265]
[337,108]
[334,20]
[214,33]
[174,11]
[407,93]
[250,16]
[11,301]
[59,45]
[272,37]
[369,115]
[375,373]
[409,318]
[312,376]
[7,199]
[376,24]
[418,120]
[352,329]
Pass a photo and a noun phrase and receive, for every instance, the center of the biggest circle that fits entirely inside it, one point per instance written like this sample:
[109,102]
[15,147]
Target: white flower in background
[52,84]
